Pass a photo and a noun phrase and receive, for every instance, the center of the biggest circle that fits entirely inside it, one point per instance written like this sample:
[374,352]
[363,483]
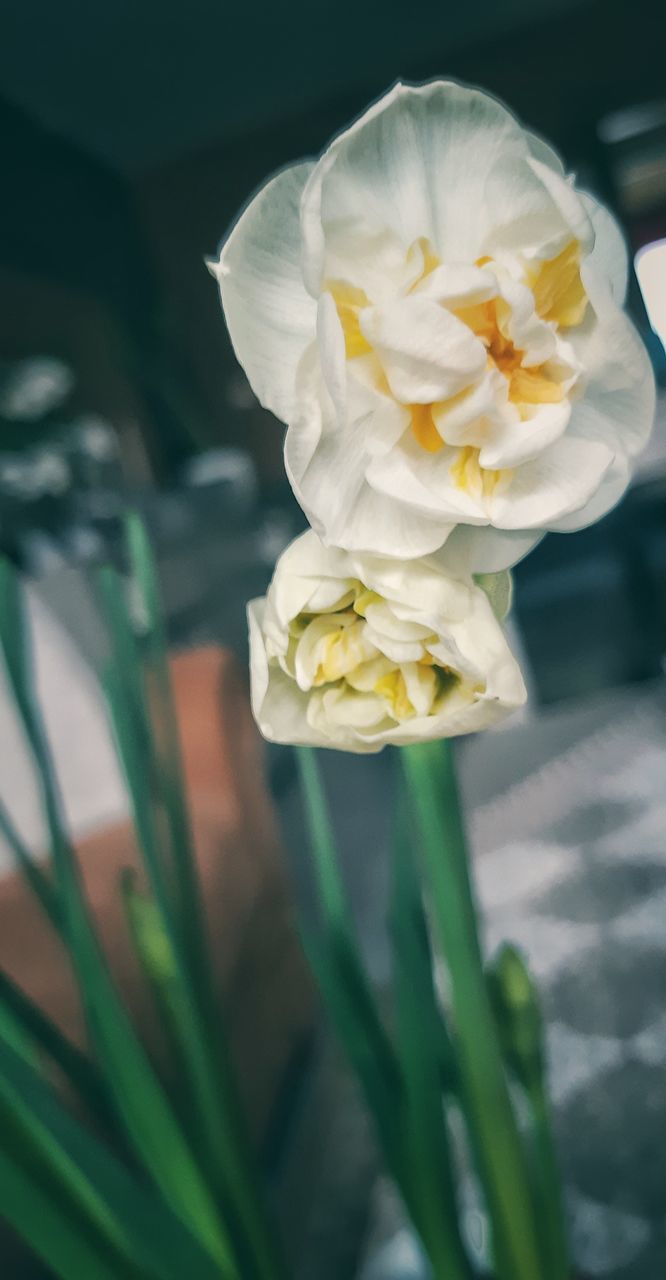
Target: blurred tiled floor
[571,864]
[568,827]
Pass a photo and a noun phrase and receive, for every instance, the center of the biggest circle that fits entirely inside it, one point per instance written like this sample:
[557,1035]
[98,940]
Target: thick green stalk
[496,1140]
[419,1021]
[401,1082]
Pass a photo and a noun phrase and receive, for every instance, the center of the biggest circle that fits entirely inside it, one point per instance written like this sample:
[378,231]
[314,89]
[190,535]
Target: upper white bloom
[435,312]
[355,651]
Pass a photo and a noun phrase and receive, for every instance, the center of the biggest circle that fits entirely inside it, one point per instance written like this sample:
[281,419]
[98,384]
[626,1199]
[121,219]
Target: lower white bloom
[354,651]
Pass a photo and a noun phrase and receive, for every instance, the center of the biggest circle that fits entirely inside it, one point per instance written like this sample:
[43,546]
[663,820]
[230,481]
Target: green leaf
[166,740]
[12,634]
[185,996]
[106,1200]
[39,883]
[13,1032]
[518,1014]
[142,1105]
[16,653]
[134,747]
[520,1023]
[138,1096]
[80,1072]
[59,1240]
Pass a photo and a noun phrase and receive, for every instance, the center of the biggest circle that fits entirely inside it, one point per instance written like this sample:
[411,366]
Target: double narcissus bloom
[354,651]
[435,312]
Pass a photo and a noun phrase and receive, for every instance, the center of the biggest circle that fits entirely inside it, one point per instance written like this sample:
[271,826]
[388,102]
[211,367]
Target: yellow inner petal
[531,386]
[423,427]
[476,480]
[393,688]
[343,650]
[486,320]
[430,258]
[349,301]
[364,599]
[559,294]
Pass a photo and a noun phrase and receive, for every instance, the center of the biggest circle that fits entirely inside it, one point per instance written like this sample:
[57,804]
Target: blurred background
[130,135]
[130,139]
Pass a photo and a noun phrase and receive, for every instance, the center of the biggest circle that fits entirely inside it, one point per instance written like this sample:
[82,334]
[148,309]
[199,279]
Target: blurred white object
[400,1259]
[222,466]
[34,387]
[76,725]
[650,263]
[275,532]
[33,475]
[50,474]
[95,437]
[226,484]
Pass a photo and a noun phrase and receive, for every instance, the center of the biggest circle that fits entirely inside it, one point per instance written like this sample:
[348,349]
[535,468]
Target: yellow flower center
[347,656]
[559,299]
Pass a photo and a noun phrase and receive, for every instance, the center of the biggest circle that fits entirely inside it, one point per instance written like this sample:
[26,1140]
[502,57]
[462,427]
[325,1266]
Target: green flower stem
[419,1026]
[430,775]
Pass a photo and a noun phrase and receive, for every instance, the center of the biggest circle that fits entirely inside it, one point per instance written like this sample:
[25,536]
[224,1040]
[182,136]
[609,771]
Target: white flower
[435,312]
[354,651]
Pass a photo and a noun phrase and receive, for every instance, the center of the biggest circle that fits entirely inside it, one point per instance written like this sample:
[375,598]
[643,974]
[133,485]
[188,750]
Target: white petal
[307,558]
[457,284]
[518,441]
[278,705]
[543,151]
[608,258]
[331,345]
[611,489]
[327,471]
[561,480]
[533,211]
[484,549]
[426,352]
[569,202]
[418,161]
[410,475]
[384,621]
[619,401]
[418,588]
[420,684]
[372,258]
[269,314]
[528,332]
[384,420]
[305,563]
[350,709]
[465,419]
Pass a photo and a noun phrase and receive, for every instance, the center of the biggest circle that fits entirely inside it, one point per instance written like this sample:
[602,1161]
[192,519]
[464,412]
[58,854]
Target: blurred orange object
[260,975]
